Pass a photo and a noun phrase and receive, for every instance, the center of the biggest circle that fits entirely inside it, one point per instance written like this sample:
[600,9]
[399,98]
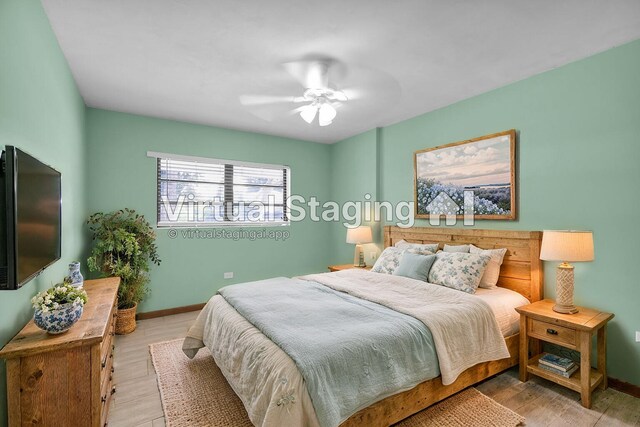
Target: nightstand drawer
[552,333]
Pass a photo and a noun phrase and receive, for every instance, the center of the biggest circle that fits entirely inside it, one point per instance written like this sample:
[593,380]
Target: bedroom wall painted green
[42,113]
[579,155]
[356,157]
[121,175]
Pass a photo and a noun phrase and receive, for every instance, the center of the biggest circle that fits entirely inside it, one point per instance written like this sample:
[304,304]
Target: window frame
[228,188]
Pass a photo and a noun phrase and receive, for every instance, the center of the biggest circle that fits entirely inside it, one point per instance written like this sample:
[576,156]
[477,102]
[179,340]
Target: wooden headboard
[521,270]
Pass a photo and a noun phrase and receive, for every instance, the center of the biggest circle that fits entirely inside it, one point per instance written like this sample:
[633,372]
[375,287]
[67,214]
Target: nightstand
[345,267]
[538,322]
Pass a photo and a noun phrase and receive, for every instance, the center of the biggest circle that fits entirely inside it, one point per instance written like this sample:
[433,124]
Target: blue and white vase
[60,320]
[75,276]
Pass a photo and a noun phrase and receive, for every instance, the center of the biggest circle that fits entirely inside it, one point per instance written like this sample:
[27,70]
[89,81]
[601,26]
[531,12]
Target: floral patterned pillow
[418,248]
[388,261]
[459,271]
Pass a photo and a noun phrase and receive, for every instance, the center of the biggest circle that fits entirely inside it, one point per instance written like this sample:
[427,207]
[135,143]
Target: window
[194,191]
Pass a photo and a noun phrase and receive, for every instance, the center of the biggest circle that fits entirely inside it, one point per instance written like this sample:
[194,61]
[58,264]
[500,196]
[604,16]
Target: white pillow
[456,248]
[419,248]
[492,272]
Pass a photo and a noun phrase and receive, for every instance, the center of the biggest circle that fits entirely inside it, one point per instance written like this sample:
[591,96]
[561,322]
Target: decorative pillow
[388,261]
[419,248]
[415,266]
[492,272]
[456,248]
[458,270]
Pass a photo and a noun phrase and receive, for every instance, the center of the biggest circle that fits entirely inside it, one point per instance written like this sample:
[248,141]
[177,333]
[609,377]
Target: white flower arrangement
[57,296]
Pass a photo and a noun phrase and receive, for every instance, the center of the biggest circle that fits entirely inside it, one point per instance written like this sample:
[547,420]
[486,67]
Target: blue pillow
[415,266]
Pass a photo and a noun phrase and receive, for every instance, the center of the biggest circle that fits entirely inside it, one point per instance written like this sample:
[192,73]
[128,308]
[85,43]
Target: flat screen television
[31,217]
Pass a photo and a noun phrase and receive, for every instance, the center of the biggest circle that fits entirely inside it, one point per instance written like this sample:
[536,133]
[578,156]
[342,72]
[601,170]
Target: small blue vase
[75,275]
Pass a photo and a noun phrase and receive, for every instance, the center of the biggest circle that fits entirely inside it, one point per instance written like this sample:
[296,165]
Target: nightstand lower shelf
[573,382]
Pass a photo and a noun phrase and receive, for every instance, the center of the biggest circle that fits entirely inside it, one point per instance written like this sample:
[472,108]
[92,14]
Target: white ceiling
[189,60]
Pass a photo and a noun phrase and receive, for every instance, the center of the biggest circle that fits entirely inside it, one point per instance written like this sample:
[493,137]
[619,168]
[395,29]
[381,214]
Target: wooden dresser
[66,379]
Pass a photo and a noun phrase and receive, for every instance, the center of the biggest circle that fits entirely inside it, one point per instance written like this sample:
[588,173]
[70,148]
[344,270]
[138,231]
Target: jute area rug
[195,393]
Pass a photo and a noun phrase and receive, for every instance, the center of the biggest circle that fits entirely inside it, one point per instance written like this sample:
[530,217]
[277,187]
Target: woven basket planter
[126,320]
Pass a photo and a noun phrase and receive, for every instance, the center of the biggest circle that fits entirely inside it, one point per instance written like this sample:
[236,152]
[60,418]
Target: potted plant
[124,246]
[59,307]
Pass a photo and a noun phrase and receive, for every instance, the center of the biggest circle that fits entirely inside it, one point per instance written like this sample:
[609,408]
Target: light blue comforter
[350,352]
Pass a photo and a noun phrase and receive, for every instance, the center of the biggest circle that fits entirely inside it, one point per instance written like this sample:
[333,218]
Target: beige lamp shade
[567,245]
[359,235]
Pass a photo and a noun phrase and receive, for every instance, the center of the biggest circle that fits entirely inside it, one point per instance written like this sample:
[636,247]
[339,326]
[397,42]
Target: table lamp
[566,246]
[357,236]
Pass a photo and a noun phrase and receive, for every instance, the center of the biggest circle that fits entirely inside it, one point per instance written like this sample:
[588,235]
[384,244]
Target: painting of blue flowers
[474,176]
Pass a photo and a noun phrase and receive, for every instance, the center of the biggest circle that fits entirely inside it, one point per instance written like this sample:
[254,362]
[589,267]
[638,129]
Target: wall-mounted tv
[30,218]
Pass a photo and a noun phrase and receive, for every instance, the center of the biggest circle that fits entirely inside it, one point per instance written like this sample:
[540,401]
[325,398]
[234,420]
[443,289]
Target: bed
[268,382]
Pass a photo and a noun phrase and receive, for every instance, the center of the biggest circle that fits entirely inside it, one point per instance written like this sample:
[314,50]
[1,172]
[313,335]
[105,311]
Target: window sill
[222,224]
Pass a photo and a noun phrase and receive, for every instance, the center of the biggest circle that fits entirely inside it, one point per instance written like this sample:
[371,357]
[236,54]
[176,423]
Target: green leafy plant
[57,296]
[124,247]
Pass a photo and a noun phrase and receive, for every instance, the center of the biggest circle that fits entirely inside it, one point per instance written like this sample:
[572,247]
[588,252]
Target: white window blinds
[195,191]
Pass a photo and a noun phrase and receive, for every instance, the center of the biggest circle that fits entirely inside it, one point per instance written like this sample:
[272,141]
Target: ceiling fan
[319,97]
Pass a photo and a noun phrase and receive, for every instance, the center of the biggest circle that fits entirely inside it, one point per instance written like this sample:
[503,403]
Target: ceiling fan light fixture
[319,99]
[308,113]
[326,114]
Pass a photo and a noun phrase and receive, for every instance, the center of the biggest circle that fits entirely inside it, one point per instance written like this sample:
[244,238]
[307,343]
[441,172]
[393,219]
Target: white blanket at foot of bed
[264,377]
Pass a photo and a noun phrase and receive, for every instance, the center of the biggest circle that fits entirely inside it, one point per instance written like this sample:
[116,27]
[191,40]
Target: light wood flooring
[137,400]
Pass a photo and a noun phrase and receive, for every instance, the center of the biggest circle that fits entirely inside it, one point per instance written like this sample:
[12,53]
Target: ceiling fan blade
[267,99]
[337,96]
[351,94]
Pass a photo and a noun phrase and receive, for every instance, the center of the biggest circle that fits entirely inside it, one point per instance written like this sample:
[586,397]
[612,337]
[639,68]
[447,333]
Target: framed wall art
[479,172]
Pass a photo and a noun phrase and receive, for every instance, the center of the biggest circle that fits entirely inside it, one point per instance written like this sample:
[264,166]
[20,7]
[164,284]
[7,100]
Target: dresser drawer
[552,333]
[107,342]
[106,348]
[105,401]
[106,370]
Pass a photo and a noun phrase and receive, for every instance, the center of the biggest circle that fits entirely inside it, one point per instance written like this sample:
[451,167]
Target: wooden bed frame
[521,271]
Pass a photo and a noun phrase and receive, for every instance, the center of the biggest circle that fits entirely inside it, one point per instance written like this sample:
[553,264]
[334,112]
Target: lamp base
[571,309]
[358,257]
[564,290]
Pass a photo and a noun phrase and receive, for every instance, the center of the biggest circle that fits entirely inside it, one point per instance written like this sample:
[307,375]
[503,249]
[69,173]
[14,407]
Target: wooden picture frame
[482,165]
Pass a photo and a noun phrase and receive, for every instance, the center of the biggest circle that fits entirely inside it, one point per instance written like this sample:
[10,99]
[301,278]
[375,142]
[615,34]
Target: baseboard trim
[169,311]
[625,387]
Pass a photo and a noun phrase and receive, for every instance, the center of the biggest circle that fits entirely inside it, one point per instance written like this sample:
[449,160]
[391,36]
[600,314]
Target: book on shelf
[551,365]
[565,374]
[556,362]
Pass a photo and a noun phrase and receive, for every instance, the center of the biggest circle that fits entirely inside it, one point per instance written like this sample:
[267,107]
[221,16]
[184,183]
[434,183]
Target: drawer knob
[113,390]
[113,369]
[104,364]
[103,399]
[552,331]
